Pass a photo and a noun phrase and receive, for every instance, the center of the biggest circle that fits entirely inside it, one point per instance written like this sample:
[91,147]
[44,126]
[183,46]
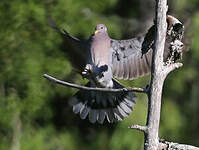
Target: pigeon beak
[96,31]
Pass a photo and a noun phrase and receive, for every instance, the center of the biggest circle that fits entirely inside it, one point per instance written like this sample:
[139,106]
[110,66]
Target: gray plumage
[112,106]
[128,61]
[84,112]
[102,58]
[126,108]
[117,114]
[98,69]
[122,112]
[110,115]
[93,115]
[101,116]
[77,107]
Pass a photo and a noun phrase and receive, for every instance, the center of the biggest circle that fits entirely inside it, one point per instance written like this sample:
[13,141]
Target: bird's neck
[100,36]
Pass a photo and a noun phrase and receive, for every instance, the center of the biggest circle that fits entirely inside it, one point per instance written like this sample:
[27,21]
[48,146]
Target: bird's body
[102,58]
[99,53]
[98,70]
[99,58]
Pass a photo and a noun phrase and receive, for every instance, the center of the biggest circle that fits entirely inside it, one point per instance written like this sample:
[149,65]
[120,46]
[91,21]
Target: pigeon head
[100,28]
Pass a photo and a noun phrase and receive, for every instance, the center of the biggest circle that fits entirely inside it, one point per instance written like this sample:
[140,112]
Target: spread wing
[127,59]
[74,47]
[132,58]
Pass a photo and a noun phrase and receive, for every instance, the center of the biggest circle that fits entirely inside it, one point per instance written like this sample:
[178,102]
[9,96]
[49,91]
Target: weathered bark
[164,145]
[157,78]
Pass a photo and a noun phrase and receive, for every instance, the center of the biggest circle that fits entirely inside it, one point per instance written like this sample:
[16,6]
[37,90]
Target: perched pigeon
[101,58]
[128,61]
[98,70]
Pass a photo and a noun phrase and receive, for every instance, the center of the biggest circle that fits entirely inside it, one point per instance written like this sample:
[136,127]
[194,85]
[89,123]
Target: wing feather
[128,62]
[74,47]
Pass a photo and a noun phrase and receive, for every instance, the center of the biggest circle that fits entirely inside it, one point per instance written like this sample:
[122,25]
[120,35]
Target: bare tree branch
[157,78]
[127,89]
[159,71]
[139,127]
[172,67]
[165,145]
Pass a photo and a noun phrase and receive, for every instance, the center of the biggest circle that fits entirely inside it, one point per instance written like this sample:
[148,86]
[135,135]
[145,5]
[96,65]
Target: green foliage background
[34,114]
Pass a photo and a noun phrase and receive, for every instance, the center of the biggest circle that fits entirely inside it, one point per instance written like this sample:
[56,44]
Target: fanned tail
[100,105]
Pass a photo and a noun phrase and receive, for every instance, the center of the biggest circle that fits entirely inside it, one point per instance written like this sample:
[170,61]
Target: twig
[171,67]
[139,127]
[128,89]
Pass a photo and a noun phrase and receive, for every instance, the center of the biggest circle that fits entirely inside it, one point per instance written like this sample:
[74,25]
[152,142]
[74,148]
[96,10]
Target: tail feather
[110,115]
[117,114]
[99,105]
[84,111]
[101,116]
[77,107]
[125,108]
[128,102]
[93,115]
[122,112]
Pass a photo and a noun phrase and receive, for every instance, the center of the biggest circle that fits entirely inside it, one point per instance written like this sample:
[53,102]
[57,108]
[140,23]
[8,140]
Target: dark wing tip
[148,40]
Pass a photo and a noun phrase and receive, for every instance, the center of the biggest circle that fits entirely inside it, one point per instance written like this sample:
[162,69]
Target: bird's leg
[101,70]
[89,74]
[87,71]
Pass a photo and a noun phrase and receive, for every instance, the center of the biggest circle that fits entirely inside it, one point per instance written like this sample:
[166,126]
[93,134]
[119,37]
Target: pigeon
[98,70]
[131,58]
[100,59]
